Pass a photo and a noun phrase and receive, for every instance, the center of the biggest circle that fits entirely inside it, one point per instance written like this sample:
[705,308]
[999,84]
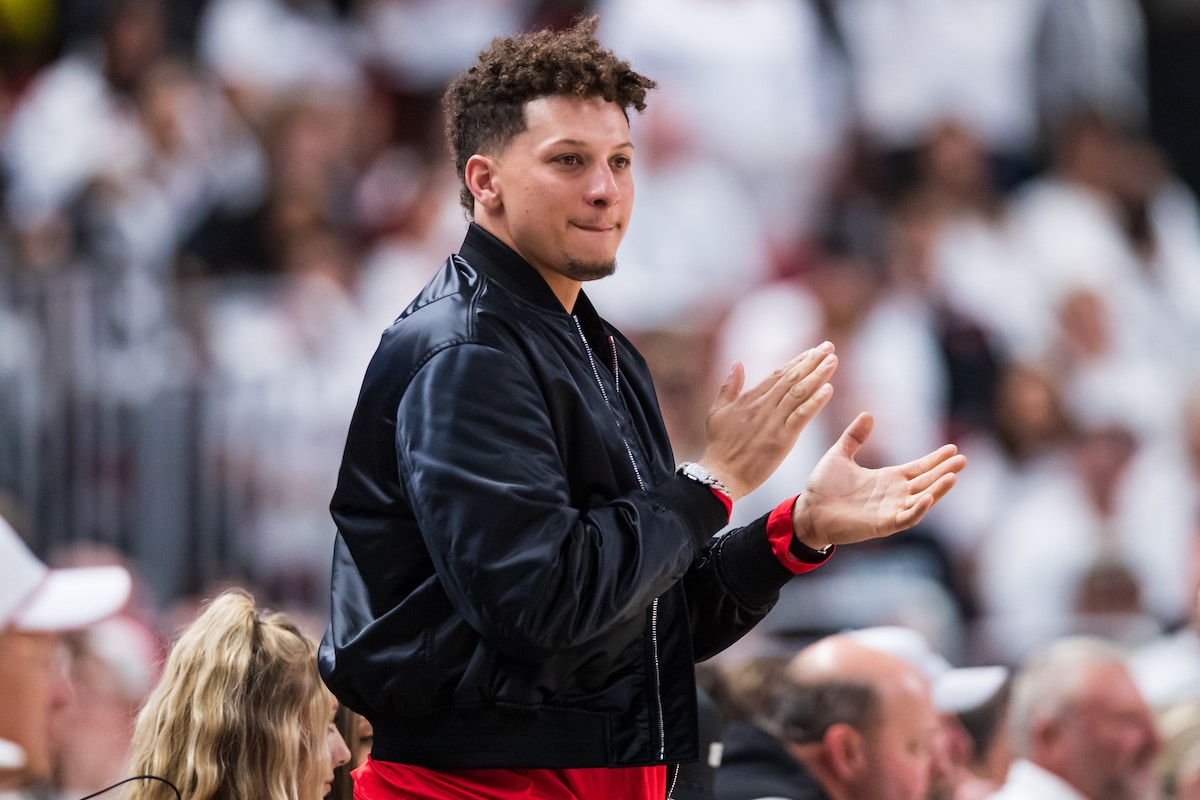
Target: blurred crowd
[209,211]
[98,694]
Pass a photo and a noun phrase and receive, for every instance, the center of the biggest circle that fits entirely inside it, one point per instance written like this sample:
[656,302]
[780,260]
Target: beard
[590,270]
[942,791]
[1125,787]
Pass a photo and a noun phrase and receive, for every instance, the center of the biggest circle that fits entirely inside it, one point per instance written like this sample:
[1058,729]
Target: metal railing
[114,432]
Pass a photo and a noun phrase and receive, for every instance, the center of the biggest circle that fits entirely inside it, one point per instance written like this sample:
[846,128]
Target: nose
[339,753]
[62,688]
[1152,743]
[603,188]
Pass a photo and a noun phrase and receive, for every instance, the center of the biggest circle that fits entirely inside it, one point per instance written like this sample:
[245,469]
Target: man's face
[1107,741]
[950,759]
[566,188]
[32,683]
[900,751]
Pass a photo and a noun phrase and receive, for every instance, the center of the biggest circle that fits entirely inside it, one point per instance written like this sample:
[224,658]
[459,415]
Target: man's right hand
[750,433]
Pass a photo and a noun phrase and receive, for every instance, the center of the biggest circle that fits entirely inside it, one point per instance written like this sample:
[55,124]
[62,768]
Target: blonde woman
[240,712]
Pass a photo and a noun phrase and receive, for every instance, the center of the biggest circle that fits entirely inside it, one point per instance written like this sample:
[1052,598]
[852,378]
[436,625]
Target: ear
[958,745]
[1047,734]
[845,751]
[483,181]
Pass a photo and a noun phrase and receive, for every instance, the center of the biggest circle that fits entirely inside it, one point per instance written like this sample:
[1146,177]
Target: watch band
[700,474]
[807,553]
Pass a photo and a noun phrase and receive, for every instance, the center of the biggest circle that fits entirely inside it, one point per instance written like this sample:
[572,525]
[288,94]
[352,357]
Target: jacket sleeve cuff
[791,552]
[704,510]
[748,565]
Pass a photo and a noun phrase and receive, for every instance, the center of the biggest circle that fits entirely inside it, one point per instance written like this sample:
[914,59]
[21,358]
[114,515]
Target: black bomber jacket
[519,577]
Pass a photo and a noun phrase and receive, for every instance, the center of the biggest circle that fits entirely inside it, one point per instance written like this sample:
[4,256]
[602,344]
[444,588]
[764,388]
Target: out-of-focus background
[210,209]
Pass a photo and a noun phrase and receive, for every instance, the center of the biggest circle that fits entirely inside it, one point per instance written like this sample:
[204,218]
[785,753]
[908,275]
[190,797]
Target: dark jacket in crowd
[520,579]
[755,765]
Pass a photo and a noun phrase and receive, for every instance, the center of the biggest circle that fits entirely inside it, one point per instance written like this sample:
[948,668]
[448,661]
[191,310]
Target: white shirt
[11,755]
[275,46]
[68,128]
[724,66]
[1045,533]
[1028,781]
[921,61]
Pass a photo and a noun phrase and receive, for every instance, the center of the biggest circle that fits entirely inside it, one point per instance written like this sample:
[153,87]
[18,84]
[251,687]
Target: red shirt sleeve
[725,499]
[781,535]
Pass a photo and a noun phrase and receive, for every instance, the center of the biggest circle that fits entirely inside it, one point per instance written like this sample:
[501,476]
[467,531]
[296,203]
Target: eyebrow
[580,143]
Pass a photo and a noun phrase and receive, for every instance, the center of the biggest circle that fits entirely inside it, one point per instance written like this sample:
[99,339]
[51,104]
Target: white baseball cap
[955,689]
[35,598]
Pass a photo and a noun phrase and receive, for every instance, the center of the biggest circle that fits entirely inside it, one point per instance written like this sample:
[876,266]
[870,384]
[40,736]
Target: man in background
[1079,726]
[970,702]
[37,604]
[849,722]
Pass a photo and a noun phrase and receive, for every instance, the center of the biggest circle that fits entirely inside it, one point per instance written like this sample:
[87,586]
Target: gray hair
[1049,682]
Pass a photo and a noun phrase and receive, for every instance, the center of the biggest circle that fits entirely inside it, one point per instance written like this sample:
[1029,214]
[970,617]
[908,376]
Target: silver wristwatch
[699,474]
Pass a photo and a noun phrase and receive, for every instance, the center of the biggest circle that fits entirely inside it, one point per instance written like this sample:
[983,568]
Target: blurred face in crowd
[365,737]
[33,682]
[899,751]
[135,37]
[1105,742]
[886,756]
[1029,409]
[560,193]
[950,756]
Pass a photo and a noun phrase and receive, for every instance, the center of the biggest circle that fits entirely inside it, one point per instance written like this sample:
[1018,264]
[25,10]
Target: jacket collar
[492,257]
[486,253]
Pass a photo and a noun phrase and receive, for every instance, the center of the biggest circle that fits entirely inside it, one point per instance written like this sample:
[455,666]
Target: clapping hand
[844,502]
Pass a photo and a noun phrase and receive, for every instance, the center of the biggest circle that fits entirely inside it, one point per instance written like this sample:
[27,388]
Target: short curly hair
[485,106]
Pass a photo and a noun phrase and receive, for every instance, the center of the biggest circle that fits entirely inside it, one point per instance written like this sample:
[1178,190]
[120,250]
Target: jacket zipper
[662,734]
